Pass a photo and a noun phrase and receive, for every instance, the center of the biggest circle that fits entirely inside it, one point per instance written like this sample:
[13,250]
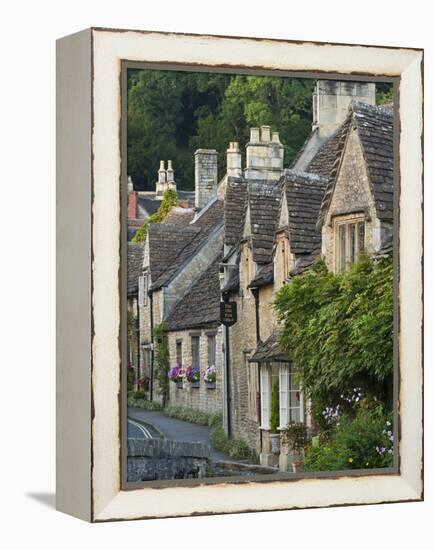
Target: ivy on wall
[338,329]
[170,199]
[162,361]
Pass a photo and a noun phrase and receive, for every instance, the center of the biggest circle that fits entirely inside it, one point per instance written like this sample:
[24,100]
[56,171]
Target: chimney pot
[254,135]
[265,134]
[275,137]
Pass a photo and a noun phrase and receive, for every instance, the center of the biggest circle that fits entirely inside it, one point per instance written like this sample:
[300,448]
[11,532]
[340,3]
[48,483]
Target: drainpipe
[151,373]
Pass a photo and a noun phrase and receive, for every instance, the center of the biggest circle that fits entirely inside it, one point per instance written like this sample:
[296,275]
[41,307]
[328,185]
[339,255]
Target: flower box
[210,385]
[195,384]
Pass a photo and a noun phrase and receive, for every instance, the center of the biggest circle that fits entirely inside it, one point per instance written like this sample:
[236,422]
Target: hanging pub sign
[228,313]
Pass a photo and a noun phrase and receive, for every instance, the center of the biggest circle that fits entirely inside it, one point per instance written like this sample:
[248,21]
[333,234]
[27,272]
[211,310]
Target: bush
[236,448]
[275,413]
[139,394]
[143,404]
[365,441]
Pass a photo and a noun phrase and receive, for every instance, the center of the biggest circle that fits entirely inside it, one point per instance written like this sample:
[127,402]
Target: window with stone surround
[143,290]
[349,236]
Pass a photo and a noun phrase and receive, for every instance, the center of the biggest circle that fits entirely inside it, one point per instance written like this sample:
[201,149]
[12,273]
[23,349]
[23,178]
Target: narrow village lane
[178,430]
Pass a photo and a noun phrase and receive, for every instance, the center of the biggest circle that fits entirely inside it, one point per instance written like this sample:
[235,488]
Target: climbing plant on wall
[170,199]
[162,362]
[338,329]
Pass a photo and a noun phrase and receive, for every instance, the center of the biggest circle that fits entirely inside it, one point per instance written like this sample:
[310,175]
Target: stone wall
[201,398]
[154,459]
[242,343]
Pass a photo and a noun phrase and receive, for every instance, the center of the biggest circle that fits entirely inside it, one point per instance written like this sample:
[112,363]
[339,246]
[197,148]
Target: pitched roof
[234,211]
[134,261]
[304,194]
[179,216]
[264,205]
[374,125]
[148,203]
[209,219]
[233,282]
[269,350]
[166,241]
[200,306]
[264,276]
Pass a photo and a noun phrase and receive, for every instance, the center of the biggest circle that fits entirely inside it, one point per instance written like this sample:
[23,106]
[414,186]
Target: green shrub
[365,441]
[235,448]
[274,413]
[139,394]
[143,404]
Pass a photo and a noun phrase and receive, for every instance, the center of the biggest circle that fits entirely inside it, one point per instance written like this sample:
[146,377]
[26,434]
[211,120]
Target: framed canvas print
[239,267]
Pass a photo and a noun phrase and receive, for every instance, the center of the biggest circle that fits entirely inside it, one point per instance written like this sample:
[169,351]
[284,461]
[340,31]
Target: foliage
[131,324]
[162,361]
[384,93]
[338,330]
[171,113]
[210,375]
[131,376]
[176,374]
[274,413]
[143,403]
[188,414]
[296,435]
[236,448]
[139,394]
[362,441]
[192,374]
[169,200]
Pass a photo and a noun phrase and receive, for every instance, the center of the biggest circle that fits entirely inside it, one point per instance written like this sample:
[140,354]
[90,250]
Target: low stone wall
[153,459]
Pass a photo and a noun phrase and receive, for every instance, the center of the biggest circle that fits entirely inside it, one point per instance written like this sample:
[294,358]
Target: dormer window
[349,240]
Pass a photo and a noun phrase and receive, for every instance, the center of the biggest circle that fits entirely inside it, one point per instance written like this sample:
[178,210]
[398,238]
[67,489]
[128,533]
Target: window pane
[361,228]
[211,350]
[179,353]
[352,243]
[195,351]
[342,248]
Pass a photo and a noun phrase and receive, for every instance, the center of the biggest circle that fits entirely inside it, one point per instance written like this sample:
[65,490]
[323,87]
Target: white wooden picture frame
[89,483]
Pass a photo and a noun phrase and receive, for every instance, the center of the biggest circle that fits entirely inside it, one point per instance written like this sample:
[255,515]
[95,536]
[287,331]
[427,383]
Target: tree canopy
[173,113]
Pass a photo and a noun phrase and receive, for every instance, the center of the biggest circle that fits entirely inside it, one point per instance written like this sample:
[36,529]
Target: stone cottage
[176,254]
[336,202]
[251,233]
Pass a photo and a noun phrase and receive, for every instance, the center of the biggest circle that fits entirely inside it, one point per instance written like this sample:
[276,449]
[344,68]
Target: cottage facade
[249,235]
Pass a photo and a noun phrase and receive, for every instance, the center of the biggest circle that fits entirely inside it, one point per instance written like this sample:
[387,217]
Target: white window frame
[265,376]
[286,375]
[143,290]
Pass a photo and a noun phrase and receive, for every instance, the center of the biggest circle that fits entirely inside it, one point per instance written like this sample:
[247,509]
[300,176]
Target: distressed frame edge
[412,491]
[73,292]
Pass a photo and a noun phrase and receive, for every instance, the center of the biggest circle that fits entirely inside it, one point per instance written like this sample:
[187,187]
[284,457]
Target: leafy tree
[338,330]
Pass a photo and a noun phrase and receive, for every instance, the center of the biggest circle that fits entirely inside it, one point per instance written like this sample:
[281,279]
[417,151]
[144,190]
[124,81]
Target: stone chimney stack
[160,186]
[205,172]
[264,155]
[233,160]
[331,100]
[132,200]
